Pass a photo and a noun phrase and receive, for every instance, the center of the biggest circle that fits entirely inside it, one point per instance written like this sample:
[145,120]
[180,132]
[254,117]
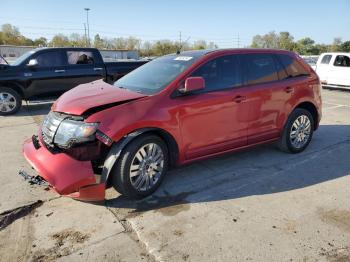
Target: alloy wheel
[7,102]
[300,131]
[147,167]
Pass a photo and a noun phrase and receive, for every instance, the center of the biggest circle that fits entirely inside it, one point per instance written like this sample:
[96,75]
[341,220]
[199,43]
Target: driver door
[214,119]
[47,78]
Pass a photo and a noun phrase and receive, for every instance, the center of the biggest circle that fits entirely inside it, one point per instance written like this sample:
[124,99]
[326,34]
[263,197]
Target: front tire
[297,132]
[141,167]
[10,101]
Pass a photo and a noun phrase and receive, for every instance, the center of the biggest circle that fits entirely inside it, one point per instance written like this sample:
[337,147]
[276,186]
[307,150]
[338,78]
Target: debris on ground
[33,180]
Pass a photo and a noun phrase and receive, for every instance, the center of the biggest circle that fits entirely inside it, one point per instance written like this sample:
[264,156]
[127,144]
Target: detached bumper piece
[67,176]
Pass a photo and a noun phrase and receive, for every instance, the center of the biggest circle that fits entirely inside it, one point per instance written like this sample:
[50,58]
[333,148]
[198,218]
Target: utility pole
[180,39]
[86,39]
[88,26]
[238,40]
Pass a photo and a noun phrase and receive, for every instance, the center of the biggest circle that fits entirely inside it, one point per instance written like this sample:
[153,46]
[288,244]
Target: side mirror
[32,63]
[193,84]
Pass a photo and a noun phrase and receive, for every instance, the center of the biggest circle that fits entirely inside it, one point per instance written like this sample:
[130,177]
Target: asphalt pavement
[259,204]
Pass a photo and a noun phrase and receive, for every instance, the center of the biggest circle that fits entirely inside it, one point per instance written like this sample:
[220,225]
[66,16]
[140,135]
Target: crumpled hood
[92,95]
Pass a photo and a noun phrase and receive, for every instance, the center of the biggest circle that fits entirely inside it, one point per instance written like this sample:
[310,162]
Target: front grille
[50,126]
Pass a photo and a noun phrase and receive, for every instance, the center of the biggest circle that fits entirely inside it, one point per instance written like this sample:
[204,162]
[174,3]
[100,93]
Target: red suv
[174,110]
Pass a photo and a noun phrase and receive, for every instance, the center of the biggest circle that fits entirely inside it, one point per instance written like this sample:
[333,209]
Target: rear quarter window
[292,66]
[326,59]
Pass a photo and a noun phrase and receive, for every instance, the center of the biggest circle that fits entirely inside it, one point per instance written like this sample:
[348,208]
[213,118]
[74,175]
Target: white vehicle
[311,60]
[334,70]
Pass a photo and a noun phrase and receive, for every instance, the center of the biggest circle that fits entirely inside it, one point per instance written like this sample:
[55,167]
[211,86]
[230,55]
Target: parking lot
[255,205]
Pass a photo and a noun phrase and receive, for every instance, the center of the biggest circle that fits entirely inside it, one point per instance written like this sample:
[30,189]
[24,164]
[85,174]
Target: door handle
[60,71]
[239,99]
[98,69]
[289,89]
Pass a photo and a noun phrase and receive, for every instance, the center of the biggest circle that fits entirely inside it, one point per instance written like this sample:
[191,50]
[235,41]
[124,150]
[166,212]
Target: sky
[220,21]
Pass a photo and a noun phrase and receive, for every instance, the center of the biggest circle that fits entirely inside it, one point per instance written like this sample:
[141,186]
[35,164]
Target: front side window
[292,66]
[221,73]
[326,59]
[80,58]
[49,59]
[342,60]
[260,68]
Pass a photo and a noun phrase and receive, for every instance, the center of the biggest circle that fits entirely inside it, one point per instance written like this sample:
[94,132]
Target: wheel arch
[118,147]
[169,140]
[309,106]
[18,88]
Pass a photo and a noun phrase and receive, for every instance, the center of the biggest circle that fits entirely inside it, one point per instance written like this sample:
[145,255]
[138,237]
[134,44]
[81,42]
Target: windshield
[3,61]
[23,57]
[157,74]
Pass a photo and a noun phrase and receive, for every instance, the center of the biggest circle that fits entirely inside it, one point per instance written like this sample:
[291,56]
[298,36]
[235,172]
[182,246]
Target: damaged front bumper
[68,176]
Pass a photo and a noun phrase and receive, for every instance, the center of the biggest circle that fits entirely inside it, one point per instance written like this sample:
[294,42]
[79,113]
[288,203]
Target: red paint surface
[83,97]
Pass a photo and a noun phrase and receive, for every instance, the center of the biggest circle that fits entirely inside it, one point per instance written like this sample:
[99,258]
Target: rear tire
[10,101]
[297,132]
[141,167]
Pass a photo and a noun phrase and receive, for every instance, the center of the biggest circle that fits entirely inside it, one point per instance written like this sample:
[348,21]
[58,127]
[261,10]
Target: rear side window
[221,73]
[326,59]
[292,66]
[342,60]
[80,58]
[260,68]
[49,59]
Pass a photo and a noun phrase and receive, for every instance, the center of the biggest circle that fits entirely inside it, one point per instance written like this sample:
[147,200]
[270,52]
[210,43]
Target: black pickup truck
[49,72]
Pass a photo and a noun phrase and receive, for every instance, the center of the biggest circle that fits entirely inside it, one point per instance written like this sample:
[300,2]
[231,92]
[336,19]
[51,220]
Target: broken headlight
[72,132]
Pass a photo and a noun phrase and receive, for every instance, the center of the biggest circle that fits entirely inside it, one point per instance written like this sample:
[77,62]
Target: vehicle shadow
[256,171]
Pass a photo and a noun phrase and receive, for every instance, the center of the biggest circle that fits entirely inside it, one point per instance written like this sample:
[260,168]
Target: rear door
[266,97]
[340,71]
[47,77]
[84,66]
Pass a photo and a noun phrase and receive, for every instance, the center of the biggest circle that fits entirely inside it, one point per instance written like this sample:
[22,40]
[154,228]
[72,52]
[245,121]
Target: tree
[42,41]
[336,45]
[200,44]
[98,42]
[164,47]
[212,45]
[146,48]
[305,46]
[345,46]
[11,36]
[119,43]
[286,41]
[133,43]
[77,40]
[320,48]
[60,40]
[270,40]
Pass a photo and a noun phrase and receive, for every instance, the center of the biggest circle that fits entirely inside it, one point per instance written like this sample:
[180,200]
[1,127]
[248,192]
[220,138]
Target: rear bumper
[69,177]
